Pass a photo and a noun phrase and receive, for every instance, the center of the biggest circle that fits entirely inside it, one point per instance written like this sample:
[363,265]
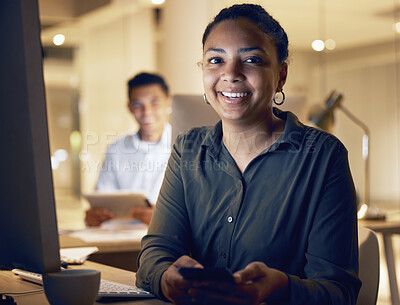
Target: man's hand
[144,214]
[95,217]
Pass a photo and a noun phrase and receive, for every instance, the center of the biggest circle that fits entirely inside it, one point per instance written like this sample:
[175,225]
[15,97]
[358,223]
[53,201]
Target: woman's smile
[241,72]
[234,97]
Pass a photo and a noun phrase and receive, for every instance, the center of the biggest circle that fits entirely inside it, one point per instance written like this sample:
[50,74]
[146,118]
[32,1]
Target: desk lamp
[323,119]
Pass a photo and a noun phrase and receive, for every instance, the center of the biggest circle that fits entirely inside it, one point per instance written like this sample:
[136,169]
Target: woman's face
[241,72]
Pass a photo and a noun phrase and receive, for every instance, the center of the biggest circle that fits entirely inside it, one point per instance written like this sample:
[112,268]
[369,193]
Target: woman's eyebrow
[241,50]
[215,50]
[249,49]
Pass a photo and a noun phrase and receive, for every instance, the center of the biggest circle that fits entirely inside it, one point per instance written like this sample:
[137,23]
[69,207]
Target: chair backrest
[368,266]
[190,111]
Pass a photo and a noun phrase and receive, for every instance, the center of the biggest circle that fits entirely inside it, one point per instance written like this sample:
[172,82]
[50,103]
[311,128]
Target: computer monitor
[28,224]
[190,111]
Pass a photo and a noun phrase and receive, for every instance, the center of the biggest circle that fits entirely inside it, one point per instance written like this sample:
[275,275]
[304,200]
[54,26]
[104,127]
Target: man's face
[150,106]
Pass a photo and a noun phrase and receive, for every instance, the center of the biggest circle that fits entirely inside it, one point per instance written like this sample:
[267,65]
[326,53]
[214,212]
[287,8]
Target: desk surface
[14,286]
[382,226]
[118,253]
[67,241]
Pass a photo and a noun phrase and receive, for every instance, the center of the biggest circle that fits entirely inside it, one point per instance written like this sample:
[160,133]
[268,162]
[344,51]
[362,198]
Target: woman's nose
[233,72]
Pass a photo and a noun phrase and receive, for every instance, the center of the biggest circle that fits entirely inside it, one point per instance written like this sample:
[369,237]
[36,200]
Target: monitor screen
[28,224]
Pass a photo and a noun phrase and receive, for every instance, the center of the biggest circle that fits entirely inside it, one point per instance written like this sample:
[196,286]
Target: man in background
[137,162]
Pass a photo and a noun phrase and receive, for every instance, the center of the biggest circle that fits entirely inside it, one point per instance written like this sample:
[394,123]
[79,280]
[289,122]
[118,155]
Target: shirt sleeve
[332,254]
[156,186]
[168,236]
[107,180]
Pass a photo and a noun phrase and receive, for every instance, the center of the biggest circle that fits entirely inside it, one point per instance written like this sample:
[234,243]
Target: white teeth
[234,94]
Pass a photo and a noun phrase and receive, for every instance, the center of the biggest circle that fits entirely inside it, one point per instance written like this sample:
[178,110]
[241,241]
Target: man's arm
[107,181]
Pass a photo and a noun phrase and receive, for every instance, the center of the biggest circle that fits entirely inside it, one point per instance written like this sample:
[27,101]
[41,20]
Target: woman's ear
[282,76]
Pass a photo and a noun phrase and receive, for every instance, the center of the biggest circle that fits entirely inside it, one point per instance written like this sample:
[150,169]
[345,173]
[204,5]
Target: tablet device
[118,202]
[207,274]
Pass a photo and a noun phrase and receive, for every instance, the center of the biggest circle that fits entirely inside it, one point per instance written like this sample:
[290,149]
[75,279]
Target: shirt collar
[293,133]
[165,141]
[213,139]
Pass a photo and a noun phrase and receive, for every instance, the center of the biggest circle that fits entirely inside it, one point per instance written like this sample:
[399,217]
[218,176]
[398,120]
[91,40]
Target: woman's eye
[215,60]
[253,60]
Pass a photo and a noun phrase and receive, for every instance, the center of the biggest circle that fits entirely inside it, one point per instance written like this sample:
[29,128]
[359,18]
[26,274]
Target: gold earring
[283,98]
[205,99]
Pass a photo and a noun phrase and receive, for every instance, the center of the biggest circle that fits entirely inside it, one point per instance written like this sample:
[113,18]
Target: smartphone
[207,274]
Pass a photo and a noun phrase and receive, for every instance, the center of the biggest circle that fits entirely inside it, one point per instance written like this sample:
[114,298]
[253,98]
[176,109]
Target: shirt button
[223,254]
[230,219]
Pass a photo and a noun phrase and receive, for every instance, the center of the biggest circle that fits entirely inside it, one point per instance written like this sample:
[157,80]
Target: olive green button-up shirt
[293,208]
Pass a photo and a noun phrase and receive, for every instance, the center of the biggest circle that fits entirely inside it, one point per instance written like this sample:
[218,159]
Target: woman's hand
[253,285]
[173,286]
[95,217]
[257,281]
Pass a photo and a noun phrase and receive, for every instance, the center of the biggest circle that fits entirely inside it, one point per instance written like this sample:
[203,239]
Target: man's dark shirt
[293,208]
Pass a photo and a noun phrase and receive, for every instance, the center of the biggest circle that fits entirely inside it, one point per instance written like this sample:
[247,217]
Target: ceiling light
[61,155]
[75,140]
[58,39]
[330,44]
[157,1]
[318,45]
[397,27]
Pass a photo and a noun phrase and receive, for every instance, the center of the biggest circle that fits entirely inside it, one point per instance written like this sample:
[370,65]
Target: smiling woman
[241,74]
[259,193]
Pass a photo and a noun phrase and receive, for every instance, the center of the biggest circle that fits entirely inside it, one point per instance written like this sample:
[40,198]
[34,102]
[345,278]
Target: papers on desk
[113,231]
[76,255]
[100,235]
[123,224]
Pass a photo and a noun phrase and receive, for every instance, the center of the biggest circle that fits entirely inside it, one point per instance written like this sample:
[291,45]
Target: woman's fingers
[253,271]
[173,285]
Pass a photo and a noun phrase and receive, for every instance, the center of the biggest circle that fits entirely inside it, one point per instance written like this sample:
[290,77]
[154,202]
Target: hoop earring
[283,98]
[205,99]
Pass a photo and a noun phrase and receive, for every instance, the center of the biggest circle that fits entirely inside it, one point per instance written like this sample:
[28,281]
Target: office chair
[190,111]
[368,266]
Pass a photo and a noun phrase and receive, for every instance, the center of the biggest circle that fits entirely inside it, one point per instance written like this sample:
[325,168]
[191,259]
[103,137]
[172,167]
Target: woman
[259,193]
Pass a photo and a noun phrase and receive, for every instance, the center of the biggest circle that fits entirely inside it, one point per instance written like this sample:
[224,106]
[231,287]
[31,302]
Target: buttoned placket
[230,168]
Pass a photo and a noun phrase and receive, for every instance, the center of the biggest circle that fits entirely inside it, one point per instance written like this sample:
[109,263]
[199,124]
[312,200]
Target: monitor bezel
[28,222]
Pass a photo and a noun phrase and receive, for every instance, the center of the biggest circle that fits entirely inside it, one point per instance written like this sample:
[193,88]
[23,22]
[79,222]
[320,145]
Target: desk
[13,284]
[387,228]
[120,255]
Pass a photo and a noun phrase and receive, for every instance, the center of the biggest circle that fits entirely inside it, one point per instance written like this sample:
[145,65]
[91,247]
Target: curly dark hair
[261,18]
